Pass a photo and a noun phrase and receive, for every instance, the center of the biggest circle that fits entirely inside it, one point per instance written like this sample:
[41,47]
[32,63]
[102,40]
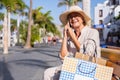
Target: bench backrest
[113,57]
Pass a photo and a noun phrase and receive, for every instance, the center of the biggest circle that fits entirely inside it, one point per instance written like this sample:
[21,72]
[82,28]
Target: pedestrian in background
[54,40]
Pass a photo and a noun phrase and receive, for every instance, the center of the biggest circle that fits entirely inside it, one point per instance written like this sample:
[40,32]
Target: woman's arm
[92,44]
[74,39]
[64,50]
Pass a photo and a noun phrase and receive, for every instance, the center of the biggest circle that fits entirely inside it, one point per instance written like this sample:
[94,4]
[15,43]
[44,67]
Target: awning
[99,26]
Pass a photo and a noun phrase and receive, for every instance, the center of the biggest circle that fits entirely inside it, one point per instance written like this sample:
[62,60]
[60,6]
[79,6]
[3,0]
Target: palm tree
[68,3]
[49,26]
[1,16]
[37,15]
[23,31]
[19,12]
[64,2]
[47,20]
[5,38]
[76,1]
[28,44]
[10,5]
[44,21]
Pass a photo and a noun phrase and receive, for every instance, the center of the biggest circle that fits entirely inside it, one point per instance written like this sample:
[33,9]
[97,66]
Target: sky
[51,5]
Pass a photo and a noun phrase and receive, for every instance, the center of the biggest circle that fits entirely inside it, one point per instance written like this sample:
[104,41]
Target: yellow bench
[113,57]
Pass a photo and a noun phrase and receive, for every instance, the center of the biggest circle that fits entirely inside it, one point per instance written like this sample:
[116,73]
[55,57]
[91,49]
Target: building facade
[106,20]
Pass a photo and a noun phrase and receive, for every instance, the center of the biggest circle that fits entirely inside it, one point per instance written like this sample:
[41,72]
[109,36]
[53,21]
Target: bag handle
[84,48]
[85,72]
[95,53]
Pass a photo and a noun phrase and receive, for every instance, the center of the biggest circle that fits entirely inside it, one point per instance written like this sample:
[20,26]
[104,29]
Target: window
[100,13]
[113,2]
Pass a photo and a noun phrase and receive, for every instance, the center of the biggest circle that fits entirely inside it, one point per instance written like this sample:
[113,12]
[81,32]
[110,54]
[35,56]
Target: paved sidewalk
[28,64]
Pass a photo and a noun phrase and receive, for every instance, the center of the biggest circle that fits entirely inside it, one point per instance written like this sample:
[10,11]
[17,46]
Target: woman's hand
[64,48]
[66,29]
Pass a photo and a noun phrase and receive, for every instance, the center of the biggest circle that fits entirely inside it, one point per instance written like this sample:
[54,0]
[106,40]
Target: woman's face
[75,20]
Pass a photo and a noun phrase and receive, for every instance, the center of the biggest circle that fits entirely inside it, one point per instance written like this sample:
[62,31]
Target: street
[28,64]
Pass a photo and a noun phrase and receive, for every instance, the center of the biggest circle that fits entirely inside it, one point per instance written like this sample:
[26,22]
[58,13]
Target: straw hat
[63,16]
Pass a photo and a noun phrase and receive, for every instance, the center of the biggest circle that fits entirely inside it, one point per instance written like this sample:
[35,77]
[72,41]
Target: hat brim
[63,16]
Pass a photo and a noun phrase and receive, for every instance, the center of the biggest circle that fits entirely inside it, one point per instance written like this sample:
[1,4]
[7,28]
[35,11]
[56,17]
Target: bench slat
[111,54]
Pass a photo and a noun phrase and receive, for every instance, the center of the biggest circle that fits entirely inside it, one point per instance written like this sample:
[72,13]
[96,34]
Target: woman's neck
[78,31]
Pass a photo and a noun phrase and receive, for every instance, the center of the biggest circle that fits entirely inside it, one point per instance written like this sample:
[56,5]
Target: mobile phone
[69,24]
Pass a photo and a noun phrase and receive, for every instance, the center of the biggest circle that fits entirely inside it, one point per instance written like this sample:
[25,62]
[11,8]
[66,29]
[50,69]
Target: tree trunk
[5,36]
[9,30]
[18,25]
[28,43]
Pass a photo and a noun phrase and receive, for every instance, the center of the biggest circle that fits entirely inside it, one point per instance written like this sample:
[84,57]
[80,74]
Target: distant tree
[10,6]
[1,27]
[13,24]
[23,31]
[1,16]
[44,20]
[68,3]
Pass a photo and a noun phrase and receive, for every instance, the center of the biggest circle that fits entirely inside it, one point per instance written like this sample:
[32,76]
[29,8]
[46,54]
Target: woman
[77,36]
